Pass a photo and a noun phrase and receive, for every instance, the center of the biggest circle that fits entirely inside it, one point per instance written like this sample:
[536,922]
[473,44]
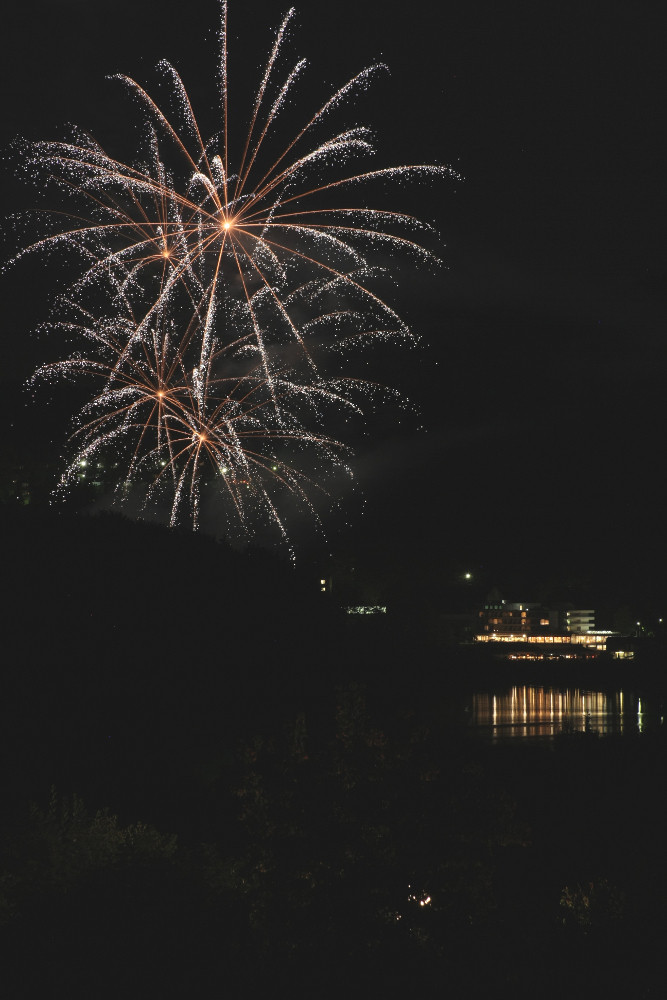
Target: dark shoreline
[212,779]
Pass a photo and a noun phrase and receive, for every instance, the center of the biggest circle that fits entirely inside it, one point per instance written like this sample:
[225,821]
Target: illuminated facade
[548,633]
[593,641]
[499,618]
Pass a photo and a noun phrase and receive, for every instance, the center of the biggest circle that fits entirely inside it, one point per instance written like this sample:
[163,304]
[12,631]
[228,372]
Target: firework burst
[175,431]
[222,261]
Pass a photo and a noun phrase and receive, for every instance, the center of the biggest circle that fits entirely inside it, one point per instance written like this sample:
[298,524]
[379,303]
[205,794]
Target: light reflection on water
[546,711]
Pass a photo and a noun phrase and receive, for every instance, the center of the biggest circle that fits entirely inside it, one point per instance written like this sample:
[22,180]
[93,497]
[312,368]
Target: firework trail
[216,257]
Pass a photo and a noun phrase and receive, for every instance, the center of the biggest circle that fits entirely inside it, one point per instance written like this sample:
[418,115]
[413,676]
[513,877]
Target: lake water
[543,712]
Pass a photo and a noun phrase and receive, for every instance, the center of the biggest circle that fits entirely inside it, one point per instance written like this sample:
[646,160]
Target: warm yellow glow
[598,640]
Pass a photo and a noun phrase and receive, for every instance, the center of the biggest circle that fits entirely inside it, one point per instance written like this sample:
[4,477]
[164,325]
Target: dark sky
[540,376]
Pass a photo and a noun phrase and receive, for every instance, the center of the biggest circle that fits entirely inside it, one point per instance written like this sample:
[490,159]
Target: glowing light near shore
[221,285]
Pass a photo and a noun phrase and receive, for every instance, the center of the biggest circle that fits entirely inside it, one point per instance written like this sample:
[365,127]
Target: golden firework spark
[220,263]
[173,431]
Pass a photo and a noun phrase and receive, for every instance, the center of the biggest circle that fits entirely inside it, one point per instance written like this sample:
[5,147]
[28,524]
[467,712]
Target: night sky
[540,373]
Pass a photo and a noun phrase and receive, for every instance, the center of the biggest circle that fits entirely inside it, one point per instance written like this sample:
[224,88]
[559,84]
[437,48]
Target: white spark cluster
[213,279]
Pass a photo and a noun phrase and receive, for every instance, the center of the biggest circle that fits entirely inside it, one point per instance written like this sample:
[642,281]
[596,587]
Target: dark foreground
[213,786]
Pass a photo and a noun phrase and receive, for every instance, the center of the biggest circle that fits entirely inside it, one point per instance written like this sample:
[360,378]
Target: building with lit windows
[529,630]
[515,618]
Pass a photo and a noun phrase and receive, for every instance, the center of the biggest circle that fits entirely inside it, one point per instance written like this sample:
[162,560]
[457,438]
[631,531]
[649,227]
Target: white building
[578,621]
